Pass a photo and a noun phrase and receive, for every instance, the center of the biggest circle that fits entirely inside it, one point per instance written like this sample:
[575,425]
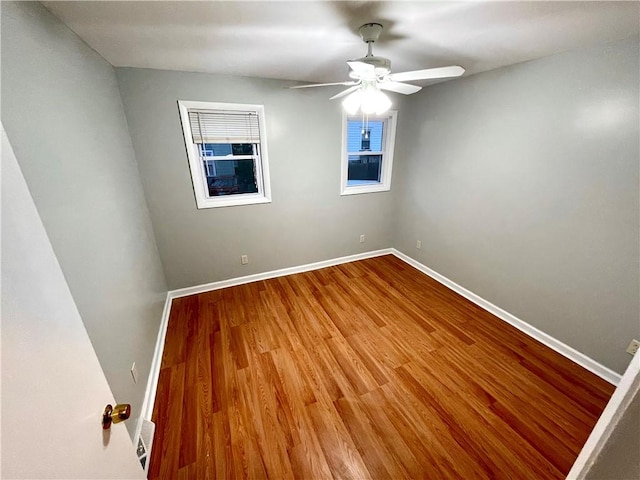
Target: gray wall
[522,184]
[63,115]
[307,220]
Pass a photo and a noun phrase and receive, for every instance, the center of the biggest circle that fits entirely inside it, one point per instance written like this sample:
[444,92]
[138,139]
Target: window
[367,153]
[227,151]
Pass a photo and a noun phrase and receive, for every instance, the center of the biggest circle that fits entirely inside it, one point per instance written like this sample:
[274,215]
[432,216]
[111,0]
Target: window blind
[209,126]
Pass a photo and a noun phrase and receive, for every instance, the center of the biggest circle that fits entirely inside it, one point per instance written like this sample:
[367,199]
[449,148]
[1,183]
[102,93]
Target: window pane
[364,135]
[230,177]
[364,169]
[224,149]
[215,149]
[242,149]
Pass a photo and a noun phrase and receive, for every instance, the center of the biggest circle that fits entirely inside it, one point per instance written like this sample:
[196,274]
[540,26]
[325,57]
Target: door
[53,389]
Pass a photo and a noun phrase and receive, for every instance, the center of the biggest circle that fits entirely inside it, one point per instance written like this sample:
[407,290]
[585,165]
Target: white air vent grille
[144,444]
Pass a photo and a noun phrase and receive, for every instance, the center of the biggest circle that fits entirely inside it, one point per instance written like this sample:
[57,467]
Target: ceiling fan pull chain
[365,125]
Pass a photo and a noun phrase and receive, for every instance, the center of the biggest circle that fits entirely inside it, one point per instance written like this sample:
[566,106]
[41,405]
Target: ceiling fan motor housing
[381,65]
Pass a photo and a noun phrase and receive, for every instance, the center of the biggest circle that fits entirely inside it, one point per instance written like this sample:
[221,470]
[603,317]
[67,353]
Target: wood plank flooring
[365,370]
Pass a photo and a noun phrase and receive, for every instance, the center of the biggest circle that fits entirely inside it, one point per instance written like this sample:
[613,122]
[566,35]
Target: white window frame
[196,167]
[388,145]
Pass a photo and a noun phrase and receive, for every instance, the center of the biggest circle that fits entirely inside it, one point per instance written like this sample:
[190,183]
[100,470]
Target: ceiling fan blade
[442,72]
[323,84]
[361,68]
[398,87]
[345,92]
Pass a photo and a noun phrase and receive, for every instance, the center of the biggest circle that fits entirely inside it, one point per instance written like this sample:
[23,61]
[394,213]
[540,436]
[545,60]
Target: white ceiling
[311,40]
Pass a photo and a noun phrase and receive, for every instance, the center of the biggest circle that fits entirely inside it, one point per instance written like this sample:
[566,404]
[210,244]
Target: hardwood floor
[365,370]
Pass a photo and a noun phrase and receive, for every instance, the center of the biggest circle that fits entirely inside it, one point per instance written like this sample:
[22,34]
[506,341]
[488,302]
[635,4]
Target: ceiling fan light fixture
[374,101]
[352,102]
[368,100]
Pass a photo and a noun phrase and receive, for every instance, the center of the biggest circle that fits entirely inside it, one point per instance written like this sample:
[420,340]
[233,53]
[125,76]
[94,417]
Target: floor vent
[145,442]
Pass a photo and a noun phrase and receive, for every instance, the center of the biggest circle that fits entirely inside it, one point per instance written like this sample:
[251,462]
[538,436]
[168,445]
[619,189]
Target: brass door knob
[116,414]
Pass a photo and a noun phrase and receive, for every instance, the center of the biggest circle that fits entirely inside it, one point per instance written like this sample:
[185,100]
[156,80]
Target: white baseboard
[232,282]
[551,342]
[152,382]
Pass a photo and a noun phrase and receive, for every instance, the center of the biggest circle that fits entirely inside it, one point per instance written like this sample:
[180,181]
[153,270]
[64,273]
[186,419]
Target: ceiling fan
[371,74]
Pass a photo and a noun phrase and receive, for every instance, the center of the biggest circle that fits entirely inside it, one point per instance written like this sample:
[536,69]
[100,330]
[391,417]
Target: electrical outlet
[244,259]
[134,372]
[362,238]
[633,347]
[418,244]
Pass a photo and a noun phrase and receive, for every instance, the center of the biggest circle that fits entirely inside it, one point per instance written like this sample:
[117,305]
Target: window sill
[356,190]
[232,202]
